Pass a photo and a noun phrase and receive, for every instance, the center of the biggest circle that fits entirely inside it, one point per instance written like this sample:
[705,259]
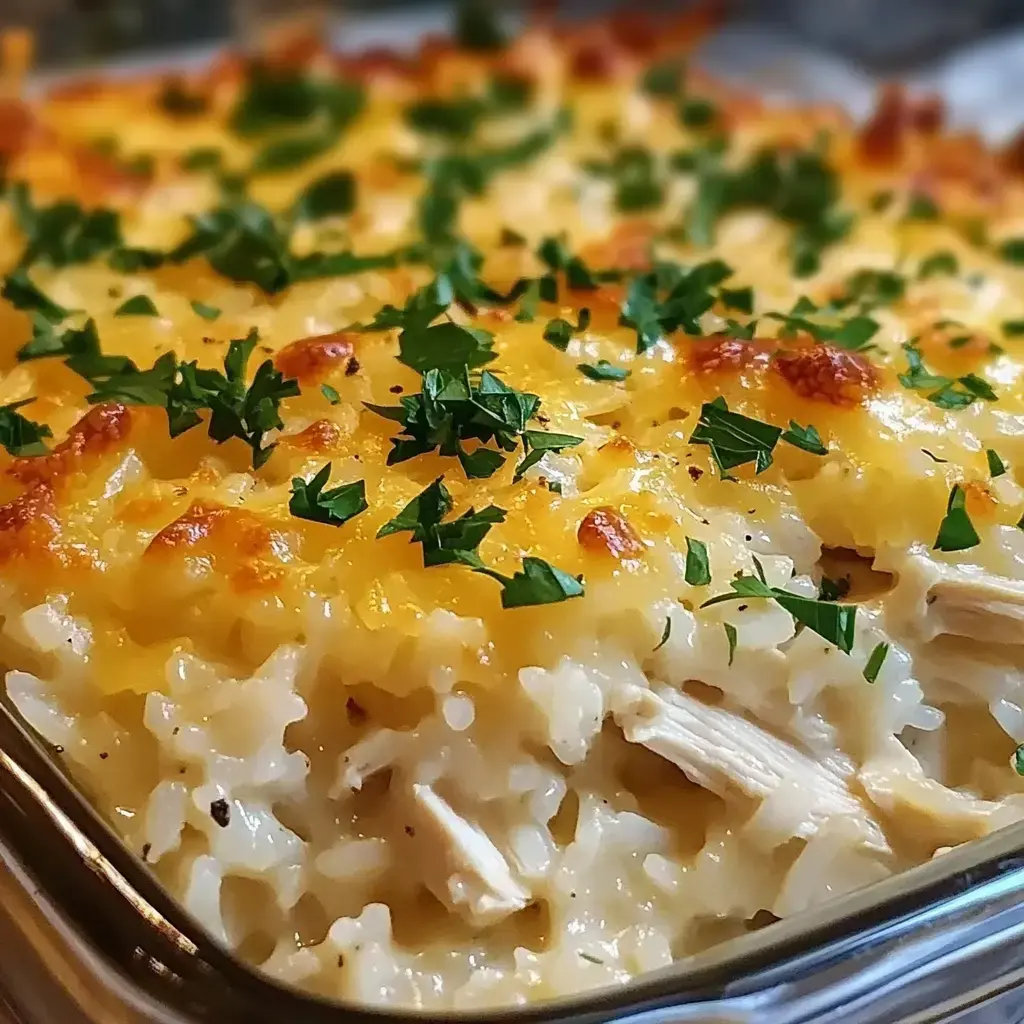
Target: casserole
[630,710]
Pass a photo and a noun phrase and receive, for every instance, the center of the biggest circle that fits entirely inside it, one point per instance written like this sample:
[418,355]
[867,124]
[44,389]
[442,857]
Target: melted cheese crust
[172,548]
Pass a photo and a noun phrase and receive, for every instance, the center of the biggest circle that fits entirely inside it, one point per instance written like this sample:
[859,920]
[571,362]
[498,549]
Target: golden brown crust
[823,372]
[310,360]
[606,531]
[99,431]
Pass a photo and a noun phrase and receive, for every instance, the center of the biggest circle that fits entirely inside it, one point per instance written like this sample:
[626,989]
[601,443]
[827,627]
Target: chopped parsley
[698,113]
[21,436]
[602,370]
[799,187]
[664,79]
[698,570]
[871,288]
[445,346]
[996,466]
[1018,760]
[670,298]
[945,392]
[854,333]
[185,389]
[956,532]
[207,312]
[1012,250]
[455,407]
[244,242]
[313,111]
[137,305]
[636,177]
[443,543]
[457,540]
[1013,328]
[63,233]
[833,622]
[922,207]
[310,501]
[203,158]
[539,582]
[332,195]
[730,638]
[875,662]
[331,394]
[47,341]
[21,293]
[735,439]
[943,262]
[559,332]
[806,438]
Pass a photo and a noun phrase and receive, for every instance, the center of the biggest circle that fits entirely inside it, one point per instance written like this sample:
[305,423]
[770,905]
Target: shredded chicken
[723,752]
[896,782]
[372,754]
[461,865]
[960,600]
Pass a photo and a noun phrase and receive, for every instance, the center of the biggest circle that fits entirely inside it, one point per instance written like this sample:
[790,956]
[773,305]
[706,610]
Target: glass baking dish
[88,935]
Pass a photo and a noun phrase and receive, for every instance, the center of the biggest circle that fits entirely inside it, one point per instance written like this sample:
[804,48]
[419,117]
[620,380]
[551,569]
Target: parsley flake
[943,262]
[698,570]
[996,466]
[443,543]
[944,392]
[730,638]
[205,311]
[875,661]
[833,622]
[331,394]
[137,305]
[956,532]
[539,582]
[21,293]
[806,438]
[333,195]
[310,501]
[21,436]
[602,370]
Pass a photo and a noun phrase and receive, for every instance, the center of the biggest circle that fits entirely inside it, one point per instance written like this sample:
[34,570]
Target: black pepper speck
[220,811]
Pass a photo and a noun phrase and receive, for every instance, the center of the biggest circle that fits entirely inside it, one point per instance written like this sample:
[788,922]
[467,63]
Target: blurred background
[879,33]
[972,51]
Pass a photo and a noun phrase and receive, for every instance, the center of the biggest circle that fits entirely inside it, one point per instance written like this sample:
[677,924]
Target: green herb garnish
[996,466]
[602,370]
[735,439]
[833,622]
[956,532]
[698,570]
[334,507]
[944,392]
[875,661]
[21,293]
[137,305]
[21,436]
[205,311]
[332,195]
[943,262]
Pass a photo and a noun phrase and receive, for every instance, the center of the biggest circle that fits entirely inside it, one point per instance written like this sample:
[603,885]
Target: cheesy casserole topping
[487,523]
